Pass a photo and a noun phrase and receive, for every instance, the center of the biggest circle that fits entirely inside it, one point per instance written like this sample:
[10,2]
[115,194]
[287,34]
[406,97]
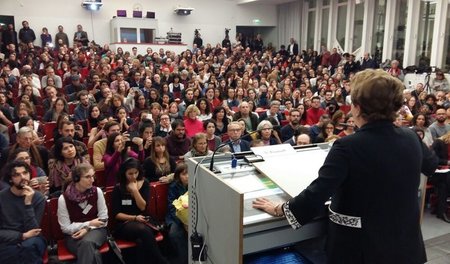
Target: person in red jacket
[315,112]
[191,122]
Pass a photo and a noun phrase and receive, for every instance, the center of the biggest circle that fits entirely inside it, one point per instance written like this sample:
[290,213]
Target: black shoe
[444,217]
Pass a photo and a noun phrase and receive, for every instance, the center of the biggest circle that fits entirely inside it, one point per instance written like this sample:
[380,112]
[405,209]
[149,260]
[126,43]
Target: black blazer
[373,174]
[441,150]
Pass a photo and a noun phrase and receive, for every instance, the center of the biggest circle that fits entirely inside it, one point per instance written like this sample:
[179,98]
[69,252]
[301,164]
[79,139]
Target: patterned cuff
[290,216]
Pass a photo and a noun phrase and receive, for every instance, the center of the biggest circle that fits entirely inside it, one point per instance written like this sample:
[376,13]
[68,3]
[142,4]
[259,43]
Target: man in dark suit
[373,177]
[80,36]
[234,132]
[293,48]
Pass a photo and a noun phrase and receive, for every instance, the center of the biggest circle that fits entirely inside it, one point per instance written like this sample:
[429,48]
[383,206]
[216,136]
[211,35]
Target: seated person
[82,214]
[236,144]
[199,147]
[129,204]
[21,211]
[178,232]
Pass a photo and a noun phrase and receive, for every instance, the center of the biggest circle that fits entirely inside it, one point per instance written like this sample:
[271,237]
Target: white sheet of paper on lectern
[273,150]
[293,172]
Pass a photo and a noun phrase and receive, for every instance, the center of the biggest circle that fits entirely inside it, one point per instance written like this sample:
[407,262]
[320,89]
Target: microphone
[211,164]
[346,124]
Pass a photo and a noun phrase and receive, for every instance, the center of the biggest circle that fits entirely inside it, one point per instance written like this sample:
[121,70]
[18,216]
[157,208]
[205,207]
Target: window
[311,29]
[400,30]
[378,30]
[341,20]
[358,26]
[324,29]
[446,55]
[128,35]
[427,15]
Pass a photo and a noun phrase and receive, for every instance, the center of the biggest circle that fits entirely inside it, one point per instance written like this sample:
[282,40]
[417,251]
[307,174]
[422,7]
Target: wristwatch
[88,228]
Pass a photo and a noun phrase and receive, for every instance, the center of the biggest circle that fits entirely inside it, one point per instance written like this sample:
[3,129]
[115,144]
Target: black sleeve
[430,161]
[440,150]
[116,206]
[333,172]
[173,164]
[145,193]
[149,170]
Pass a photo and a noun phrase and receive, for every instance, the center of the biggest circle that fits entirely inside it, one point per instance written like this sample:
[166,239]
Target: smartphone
[103,220]
[41,179]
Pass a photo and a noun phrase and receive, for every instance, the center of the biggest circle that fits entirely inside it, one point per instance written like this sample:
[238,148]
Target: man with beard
[439,128]
[21,211]
[177,142]
[287,132]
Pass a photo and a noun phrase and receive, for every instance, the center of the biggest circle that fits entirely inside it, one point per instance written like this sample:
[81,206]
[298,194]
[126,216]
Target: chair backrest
[100,179]
[49,127]
[45,222]
[108,202]
[55,228]
[157,206]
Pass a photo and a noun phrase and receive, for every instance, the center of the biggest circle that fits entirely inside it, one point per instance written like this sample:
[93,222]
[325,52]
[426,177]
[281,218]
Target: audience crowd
[67,111]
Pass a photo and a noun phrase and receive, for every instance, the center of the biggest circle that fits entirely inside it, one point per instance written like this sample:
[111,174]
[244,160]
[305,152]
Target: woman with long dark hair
[159,164]
[66,157]
[116,152]
[131,215]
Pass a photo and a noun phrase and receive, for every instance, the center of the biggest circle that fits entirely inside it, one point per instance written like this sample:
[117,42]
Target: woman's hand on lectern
[266,205]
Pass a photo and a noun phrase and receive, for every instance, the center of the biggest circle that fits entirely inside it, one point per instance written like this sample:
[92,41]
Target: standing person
[21,211]
[441,180]
[366,227]
[130,215]
[83,215]
[26,35]
[9,37]
[46,38]
[61,38]
[80,37]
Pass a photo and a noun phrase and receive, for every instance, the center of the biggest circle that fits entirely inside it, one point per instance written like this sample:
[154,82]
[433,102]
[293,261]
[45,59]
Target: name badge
[87,209]
[126,202]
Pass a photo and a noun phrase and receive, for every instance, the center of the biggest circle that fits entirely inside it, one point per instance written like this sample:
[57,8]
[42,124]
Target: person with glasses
[236,144]
[83,215]
[327,130]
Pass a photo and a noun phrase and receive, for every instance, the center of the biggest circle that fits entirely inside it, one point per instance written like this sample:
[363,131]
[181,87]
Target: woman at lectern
[374,214]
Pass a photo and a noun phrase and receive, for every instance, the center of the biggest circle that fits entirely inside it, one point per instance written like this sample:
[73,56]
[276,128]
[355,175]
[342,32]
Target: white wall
[211,16]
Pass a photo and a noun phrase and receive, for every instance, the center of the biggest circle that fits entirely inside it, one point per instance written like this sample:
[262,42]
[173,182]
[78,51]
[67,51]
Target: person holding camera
[83,215]
[118,149]
[129,204]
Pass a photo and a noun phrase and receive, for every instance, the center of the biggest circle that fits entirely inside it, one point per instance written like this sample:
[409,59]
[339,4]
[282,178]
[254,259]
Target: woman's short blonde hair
[377,93]
[192,108]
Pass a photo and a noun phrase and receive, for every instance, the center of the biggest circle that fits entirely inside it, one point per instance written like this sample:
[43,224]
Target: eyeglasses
[89,177]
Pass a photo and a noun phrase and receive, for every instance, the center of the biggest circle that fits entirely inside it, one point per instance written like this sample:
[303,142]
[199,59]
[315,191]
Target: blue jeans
[29,251]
